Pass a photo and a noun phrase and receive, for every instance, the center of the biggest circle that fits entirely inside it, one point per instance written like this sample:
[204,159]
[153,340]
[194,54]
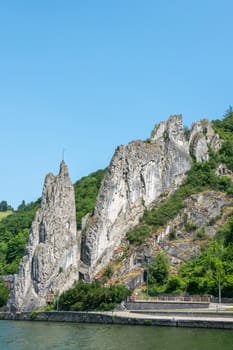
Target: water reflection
[46,335]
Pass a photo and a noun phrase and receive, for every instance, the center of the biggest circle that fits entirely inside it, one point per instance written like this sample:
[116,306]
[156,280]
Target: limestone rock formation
[201,138]
[138,174]
[51,261]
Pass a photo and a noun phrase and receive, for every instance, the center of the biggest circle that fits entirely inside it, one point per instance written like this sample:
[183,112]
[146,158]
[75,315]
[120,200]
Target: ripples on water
[19,335]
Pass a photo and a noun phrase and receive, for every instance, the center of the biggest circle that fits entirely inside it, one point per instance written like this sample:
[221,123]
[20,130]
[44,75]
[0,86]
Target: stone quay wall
[112,318]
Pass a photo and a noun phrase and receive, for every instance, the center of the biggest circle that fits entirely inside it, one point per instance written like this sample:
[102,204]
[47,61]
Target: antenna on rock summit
[63,154]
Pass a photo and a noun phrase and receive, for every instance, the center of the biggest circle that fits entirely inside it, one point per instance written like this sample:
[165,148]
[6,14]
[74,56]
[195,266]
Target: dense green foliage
[201,275]
[139,233]
[158,269]
[92,296]
[157,273]
[86,190]
[4,206]
[4,292]
[14,231]
[225,234]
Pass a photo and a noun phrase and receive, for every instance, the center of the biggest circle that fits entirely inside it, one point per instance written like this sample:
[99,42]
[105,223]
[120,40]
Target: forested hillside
[14,231]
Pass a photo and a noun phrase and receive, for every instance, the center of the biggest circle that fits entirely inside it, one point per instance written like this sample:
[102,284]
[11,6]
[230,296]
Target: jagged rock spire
[63,169]
[51,262]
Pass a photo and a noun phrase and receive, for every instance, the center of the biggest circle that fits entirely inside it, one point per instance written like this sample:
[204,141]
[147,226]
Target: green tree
[4,292]
[4,206]
[158,269]
[201,274]
[175,284]
[22,206]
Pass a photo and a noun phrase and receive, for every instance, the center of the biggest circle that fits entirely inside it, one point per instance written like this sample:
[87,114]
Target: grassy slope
[4,214]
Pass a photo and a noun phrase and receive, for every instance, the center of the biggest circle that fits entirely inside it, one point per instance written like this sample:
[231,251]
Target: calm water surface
[45,335]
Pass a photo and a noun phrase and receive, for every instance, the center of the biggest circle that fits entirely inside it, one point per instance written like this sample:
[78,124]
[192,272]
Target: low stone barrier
[112,318]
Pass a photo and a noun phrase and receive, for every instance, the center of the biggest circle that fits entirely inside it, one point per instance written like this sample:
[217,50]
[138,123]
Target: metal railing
[203,299]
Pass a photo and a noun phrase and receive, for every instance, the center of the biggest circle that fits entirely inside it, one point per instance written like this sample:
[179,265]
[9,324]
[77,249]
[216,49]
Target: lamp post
[147,260]
[219,280]
[57,299]
[219,287]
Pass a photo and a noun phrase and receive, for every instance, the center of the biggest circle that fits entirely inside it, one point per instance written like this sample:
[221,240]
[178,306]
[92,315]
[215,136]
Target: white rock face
[51,262]
[137,175]
[202,136]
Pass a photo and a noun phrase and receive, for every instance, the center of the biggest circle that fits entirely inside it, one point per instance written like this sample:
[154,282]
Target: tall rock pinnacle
[51,261]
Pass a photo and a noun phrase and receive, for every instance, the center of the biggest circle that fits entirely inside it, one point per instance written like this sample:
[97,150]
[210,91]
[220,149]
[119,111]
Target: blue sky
[88,75]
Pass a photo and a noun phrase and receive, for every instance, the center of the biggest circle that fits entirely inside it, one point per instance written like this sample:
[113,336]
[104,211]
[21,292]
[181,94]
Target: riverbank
[125,317]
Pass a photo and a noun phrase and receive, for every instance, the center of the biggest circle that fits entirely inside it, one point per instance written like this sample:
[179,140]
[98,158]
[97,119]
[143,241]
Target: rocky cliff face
[138,174]
[51,262]
[181,238]
[202,137]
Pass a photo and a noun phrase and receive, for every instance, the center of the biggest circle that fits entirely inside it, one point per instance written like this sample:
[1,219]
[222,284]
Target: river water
[22,335]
